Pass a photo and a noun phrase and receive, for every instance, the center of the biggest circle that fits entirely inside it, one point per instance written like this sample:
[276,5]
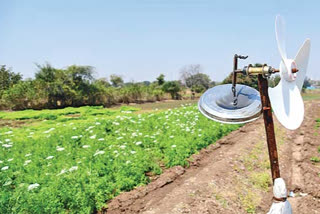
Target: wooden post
[268,123]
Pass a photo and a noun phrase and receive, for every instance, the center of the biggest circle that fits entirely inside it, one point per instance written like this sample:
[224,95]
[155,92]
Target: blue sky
[141,39]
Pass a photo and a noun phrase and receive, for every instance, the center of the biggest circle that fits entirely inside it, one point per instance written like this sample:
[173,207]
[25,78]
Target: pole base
[280,203]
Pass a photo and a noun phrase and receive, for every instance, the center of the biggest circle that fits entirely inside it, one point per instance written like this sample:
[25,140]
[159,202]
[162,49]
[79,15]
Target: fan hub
[286,70]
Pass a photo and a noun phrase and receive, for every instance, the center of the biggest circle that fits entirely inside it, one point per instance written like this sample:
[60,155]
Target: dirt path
[233,175]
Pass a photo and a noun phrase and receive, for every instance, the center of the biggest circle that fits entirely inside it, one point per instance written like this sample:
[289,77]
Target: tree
[172,87]
[116,80]
[199,81]
[45,73]
[251,81]
[188,71]
[307,82]
[8,78]
[192,77]
[160,79]
[274,80]
[103,82]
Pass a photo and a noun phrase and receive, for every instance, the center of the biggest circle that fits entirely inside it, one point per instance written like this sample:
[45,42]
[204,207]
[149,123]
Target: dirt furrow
[233,176]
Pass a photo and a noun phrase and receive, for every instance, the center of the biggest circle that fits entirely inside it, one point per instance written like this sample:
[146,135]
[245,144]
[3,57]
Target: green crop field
[75,159]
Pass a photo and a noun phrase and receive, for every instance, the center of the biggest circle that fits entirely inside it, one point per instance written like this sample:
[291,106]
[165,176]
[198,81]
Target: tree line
[76,86]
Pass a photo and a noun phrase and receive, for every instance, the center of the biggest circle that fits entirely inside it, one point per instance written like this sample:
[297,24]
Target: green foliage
[315,159]
[307,82]
[116,80]
[172,87]
[160,79]
[75,166]
[198,81]
[261,180]
[8,78]
[74,86]
[251,81]
[274,80]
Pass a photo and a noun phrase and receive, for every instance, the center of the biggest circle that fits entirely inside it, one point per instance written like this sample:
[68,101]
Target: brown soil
[233,176]
[14,123]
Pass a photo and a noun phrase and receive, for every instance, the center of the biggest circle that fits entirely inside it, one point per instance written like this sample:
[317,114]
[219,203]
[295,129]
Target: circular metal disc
[217,104]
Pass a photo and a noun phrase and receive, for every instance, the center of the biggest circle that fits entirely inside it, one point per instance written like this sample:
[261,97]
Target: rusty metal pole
[235,67]
[269,126]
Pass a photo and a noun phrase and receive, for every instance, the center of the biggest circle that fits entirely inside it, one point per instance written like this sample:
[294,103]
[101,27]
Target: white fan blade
[280,36]
[287,104]
[302,60]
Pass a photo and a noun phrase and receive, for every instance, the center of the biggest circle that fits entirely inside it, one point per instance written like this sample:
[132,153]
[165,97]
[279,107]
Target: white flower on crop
[173,146]
[85,146]
[116,123]
[101,139]
[7,140]
[51,129]
[134,134]
[93,136]
[133,152]
[138,143]
[99,153]
[7,183]
[11,159]
[7,145]
[122,146]
[115,151]
[59,149]
[73,168]
[27,162]
[8,132]
[63,171]
[27,155]
[5,168]
[97,123]
[33,186]
[74,137]
[1,161]
[119,138]
[90,127]
[199,135]
[74,128]
[127,162]
[49,157]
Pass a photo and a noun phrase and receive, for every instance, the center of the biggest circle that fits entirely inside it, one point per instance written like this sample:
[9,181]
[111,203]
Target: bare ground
[233,176]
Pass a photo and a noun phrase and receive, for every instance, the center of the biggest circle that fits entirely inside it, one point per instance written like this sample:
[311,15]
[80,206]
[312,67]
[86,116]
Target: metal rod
[235,67]
[234,79]
[269,126]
